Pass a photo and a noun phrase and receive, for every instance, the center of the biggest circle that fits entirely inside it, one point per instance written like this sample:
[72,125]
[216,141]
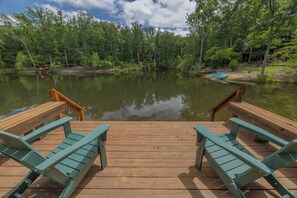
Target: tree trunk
[50,59]
[201,48]
[137,55]
[155,60]
[266,55]
[250,54]
[2,64]
[269,42]
[29,53]
[65,53]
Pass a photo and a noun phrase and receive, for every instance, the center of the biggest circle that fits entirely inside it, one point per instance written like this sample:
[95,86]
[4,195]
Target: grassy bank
[280,73]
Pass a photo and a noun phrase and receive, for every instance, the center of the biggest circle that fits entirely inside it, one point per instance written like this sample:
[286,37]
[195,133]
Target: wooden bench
[275,124]
[28,120]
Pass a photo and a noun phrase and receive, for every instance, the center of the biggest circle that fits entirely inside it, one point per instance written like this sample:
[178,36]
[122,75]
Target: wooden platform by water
[147,159]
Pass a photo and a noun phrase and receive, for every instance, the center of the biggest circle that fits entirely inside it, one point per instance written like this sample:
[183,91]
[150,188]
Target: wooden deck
[146,159]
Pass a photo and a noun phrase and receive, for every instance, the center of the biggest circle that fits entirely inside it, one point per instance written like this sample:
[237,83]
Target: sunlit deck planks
[146,159]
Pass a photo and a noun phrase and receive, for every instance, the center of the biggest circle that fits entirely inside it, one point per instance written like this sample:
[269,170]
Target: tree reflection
[142,96]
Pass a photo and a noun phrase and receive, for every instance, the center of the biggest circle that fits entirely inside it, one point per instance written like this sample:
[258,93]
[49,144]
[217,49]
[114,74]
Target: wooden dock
[147,159]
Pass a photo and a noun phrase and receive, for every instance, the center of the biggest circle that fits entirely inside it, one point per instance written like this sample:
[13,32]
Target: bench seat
[28,120]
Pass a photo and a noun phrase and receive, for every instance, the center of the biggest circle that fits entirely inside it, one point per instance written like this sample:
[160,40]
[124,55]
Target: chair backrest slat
[282,157]
[18,149]
[13,141]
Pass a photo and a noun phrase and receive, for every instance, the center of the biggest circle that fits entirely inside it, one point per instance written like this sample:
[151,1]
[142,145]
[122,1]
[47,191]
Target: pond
[142,96]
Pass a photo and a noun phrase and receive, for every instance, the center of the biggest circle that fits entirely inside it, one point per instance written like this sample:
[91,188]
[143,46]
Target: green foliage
[2,64]
[95,60]
[40,60]
[287,52]
[216,57]
[85,60]
[185,63]
[51,34]
[106,63]
[22,61]
[233,64]
[236,27]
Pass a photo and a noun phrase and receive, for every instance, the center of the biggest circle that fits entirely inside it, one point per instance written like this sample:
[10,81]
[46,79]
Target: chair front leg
[199,154]
[67,129]
[102,153]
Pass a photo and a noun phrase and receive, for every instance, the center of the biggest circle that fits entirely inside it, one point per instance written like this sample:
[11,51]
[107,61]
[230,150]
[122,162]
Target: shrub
[95,60]
[22,61]
[106,63]
[185,63]
[233,64]
[216,57]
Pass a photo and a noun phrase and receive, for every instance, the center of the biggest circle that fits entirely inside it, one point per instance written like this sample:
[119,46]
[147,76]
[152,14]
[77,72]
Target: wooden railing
[57,96]
[236,96]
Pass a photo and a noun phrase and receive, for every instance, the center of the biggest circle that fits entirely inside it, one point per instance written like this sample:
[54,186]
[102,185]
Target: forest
[222,33]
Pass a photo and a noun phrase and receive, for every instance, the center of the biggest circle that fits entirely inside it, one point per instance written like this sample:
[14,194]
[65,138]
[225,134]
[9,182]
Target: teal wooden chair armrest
[99,131]
[48,128]
[248,159]
[255,130]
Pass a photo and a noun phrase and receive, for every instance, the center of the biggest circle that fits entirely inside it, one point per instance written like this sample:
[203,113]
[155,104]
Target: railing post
[81,115]
[212,115]
[235,96]
[57,96]
[239,93]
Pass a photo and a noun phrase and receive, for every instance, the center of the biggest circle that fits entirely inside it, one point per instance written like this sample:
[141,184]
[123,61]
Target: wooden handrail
[57,96]
[236,96]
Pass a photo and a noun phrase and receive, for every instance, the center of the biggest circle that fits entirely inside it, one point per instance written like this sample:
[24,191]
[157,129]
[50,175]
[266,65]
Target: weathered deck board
[147,159]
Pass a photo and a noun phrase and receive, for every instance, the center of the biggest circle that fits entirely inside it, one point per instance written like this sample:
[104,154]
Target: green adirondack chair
[67,164]
[235,165]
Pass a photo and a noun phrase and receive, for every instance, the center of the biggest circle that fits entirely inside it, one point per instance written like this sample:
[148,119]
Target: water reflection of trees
[108,93]
[278,98]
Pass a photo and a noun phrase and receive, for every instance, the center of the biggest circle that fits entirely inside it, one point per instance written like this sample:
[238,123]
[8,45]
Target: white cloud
[165,14]
[10,18]
[68,14]
[109,5]
[162,14]
[180,31]
[162,110]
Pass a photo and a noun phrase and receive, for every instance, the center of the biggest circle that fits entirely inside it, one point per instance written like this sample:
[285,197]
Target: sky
[167,15]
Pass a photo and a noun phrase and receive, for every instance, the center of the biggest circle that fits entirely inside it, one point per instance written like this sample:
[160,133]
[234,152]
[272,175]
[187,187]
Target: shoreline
[273,74]
[242,75]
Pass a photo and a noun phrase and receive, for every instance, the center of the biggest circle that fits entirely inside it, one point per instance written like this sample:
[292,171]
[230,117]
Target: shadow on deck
[147,159]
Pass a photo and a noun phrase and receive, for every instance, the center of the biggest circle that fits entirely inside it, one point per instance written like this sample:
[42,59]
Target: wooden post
[57,99]
[239,93]
[235,96]
[212,115]
[57,96]
[81,115]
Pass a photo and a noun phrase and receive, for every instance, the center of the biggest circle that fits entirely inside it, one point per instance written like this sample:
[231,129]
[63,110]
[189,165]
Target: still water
[142,96]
